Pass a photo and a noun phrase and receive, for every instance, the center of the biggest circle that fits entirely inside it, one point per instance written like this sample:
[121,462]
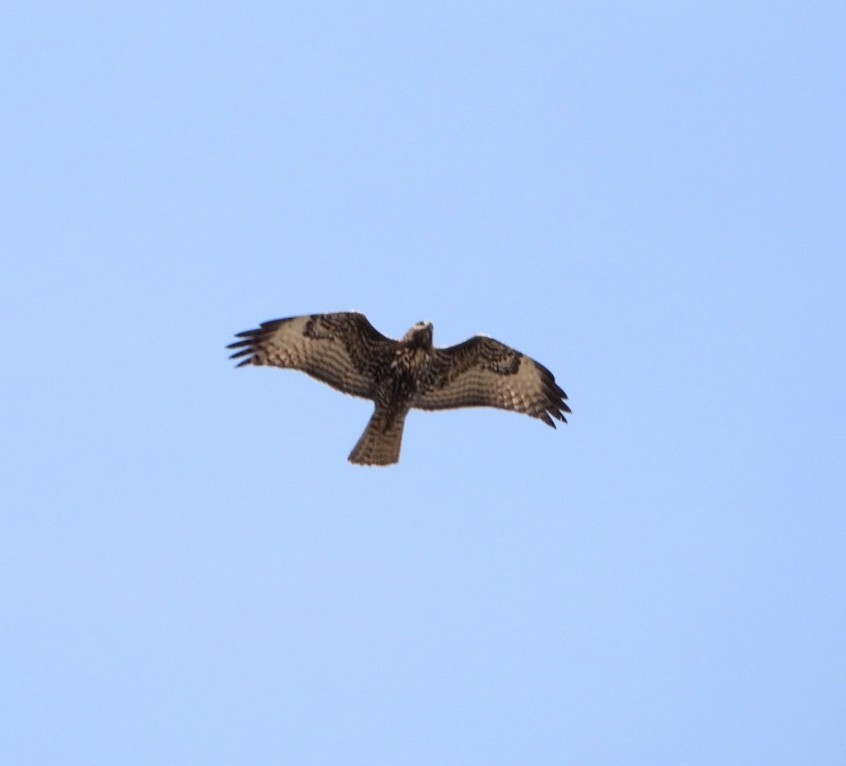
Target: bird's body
[345,351]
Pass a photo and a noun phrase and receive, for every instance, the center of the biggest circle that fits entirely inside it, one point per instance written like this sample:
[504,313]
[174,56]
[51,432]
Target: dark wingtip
[253,337]
[247,346]
[555,397]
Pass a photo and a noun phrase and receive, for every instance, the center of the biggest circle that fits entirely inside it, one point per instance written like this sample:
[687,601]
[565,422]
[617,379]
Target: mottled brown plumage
[347,352]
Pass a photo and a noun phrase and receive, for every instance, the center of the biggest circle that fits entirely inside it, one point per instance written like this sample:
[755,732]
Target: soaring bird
[344,350]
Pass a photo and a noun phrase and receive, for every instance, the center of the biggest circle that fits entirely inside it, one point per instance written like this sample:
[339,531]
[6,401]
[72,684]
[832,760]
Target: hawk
[347,352]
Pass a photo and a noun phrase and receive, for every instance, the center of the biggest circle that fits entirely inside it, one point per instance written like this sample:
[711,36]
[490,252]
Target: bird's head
[419,336]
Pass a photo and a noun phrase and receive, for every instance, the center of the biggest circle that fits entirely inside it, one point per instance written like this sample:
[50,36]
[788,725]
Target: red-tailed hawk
[347,352]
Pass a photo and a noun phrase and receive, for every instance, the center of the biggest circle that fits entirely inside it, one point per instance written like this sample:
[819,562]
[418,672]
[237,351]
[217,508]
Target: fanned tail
[381,440]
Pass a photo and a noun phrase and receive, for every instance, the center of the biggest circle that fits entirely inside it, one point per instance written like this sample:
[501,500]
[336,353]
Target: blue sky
[648,198]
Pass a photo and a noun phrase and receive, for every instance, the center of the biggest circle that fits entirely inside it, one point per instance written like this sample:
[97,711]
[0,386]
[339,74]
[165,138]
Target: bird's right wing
[341,349]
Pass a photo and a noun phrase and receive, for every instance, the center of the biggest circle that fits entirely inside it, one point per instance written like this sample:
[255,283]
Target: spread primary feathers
[347,352]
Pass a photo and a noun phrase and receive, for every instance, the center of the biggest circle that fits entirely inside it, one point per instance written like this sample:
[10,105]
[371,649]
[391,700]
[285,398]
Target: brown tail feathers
[381,440]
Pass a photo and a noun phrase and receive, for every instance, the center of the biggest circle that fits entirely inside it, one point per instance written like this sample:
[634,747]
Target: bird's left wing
[482,372]
[341,349]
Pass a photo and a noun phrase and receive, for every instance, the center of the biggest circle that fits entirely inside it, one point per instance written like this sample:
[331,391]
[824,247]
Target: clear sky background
[647,197]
